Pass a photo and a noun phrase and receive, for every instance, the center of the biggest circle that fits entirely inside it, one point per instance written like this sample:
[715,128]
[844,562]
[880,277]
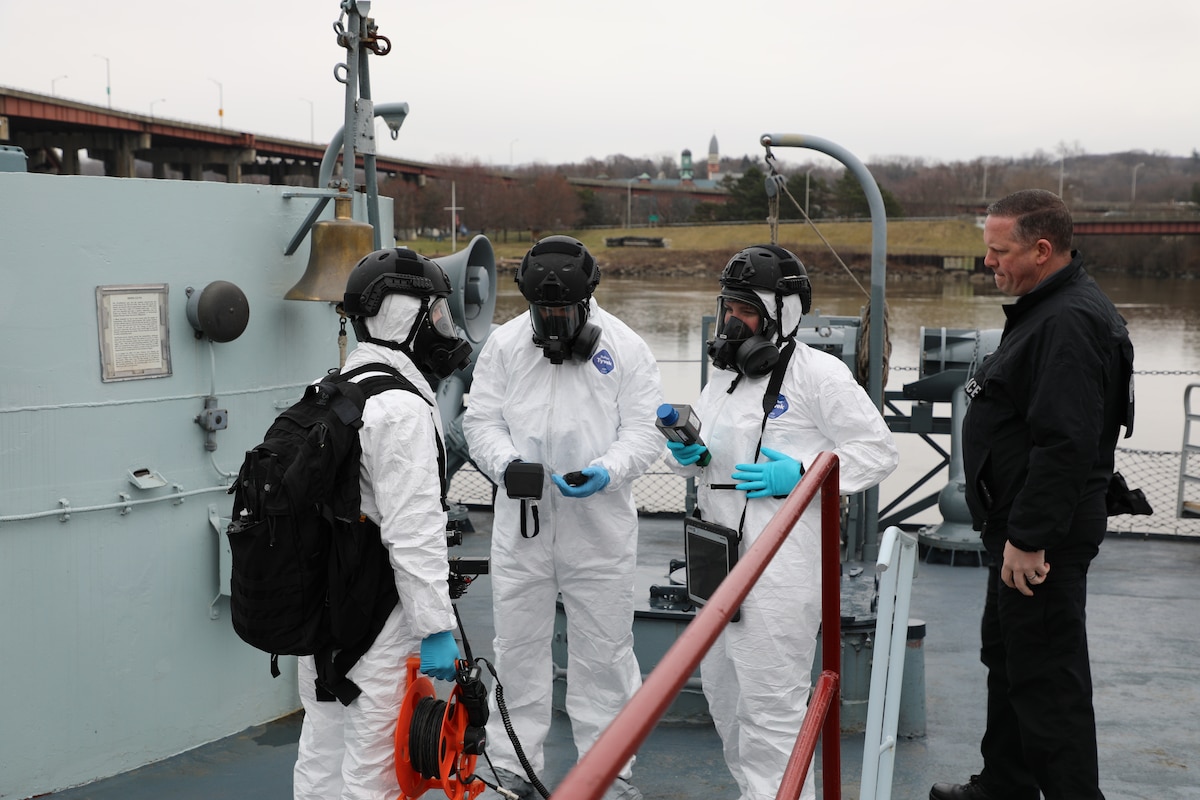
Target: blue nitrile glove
[774,478]
[597,479]
[686,454]
[438,654]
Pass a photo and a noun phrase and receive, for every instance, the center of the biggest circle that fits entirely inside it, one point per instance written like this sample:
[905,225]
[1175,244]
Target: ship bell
[337,245]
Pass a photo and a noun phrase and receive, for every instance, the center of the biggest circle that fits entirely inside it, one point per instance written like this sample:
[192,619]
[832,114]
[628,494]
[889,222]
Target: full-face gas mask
[752,321]
[564,331]
[744,335]
[557,277]
[433,342]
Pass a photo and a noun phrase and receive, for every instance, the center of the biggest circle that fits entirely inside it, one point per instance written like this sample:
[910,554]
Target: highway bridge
[52,131]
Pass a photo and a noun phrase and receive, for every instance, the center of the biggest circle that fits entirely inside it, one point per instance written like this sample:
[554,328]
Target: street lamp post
[1133,188]
[312,136]
[806,177]
[220,101]
[53,81]
[1062,162]
[153,102]
[107,77]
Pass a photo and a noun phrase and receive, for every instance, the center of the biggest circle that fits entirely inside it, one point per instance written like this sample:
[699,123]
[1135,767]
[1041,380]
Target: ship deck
[1144,631]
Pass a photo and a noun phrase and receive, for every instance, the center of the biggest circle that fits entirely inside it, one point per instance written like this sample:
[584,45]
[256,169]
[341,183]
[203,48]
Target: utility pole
[453,208]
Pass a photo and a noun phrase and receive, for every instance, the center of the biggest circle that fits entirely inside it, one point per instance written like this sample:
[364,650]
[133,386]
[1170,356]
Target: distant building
[714,160]
[685,166]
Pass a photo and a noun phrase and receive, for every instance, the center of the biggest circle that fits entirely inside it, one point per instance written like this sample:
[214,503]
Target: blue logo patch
[781,406]
[604,362]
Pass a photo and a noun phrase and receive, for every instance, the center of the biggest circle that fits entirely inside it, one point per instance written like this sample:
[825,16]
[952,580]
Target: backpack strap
[394,379]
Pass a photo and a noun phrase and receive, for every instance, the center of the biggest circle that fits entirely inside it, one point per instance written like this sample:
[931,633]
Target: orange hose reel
[453,765]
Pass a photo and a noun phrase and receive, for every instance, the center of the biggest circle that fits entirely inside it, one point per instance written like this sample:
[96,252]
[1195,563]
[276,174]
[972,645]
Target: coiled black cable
[424,737]
[512,734]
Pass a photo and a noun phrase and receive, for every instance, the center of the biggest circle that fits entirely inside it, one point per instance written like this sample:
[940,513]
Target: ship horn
[337,245]
[472,274]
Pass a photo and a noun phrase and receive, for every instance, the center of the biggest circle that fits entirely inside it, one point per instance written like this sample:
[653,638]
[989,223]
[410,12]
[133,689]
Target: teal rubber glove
[597,479]
[687,454]
[774,478]
[439,651]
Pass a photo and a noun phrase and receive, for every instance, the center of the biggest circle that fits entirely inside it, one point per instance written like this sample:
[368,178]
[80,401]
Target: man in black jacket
[1038,443]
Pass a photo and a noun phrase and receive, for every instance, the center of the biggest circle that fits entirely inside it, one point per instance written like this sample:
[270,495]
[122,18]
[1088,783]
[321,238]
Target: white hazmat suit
[594,412]
[347,751]
[757,676]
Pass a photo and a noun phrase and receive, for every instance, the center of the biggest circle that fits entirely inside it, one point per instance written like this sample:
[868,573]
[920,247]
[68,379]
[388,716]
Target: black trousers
[1041,728]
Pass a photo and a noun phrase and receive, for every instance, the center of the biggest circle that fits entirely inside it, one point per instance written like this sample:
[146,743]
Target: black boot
[971,790]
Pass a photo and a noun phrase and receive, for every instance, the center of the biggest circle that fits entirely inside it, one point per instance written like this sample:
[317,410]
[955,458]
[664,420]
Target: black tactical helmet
[558,271]
[392,270]
[767,268]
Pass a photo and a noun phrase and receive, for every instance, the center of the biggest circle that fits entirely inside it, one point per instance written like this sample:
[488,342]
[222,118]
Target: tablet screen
[710,553]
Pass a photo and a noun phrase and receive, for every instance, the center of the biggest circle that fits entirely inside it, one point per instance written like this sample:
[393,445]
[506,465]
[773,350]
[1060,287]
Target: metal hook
[344,77]
[373,45]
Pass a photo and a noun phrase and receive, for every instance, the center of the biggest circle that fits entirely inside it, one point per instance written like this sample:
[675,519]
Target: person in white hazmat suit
[397,302]
[770,407]
[572,388]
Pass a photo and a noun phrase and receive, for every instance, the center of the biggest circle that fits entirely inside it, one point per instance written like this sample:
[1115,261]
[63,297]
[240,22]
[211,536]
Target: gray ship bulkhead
[118,649]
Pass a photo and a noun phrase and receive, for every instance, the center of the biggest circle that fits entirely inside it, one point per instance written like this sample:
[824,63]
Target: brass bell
[337,245]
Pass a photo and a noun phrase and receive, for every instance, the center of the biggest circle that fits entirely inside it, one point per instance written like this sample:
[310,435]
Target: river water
[1163,317]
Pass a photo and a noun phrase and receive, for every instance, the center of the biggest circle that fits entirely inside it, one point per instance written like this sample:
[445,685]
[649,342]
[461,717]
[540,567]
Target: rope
[776,184]
[777,180]
[862,353]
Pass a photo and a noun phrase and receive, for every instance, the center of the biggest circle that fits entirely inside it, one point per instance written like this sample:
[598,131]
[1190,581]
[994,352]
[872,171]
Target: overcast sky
[555,81]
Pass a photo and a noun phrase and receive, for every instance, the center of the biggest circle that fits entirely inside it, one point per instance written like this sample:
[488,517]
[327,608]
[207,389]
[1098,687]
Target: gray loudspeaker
[472,273]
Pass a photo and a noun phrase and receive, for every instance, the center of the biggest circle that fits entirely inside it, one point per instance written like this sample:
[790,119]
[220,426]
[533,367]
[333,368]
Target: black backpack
[311,575]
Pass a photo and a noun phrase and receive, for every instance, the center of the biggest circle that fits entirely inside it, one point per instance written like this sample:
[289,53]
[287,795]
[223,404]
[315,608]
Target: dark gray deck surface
[1144,628]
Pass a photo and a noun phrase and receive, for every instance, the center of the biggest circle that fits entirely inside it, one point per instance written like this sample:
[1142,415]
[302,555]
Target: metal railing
[596,771]
[897,563]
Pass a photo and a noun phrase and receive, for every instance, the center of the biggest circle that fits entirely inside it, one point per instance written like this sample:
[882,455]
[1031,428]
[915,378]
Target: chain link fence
[657,491]
[1155,472]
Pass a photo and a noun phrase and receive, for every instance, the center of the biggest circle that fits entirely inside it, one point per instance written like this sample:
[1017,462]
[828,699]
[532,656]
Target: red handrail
[596,771]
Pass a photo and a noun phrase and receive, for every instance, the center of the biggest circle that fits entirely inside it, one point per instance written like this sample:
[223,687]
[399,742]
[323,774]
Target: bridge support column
[70,160]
